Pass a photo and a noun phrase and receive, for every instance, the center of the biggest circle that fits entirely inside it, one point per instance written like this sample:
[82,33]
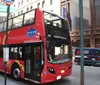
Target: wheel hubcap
[16,73]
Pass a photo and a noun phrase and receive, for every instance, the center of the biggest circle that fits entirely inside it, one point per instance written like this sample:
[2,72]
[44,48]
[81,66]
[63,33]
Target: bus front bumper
[54,77]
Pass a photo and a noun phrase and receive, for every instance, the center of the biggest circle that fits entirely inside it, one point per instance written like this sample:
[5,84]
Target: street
[92,77]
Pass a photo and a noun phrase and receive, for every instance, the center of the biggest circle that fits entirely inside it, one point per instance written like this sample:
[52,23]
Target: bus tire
[16,72]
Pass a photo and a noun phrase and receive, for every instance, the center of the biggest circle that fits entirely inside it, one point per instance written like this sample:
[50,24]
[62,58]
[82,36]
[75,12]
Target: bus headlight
[51,70]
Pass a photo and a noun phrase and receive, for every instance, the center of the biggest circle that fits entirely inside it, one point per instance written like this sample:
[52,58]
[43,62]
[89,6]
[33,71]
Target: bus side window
[57,24]
[11,53]
[29,21]
[20,52]
[51,23]
[15,53]
[1,52]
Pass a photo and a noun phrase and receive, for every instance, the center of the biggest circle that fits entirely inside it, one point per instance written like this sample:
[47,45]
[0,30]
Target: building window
[18,13]
[18,4]
[10,16]
[31,7]
[21,11]
[51,10]
[43,4]
[13,15]
[22,2]
[27,9]
[38,5]
[51,2]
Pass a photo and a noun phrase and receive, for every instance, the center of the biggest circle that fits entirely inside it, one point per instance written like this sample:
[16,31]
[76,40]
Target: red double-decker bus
[39,46]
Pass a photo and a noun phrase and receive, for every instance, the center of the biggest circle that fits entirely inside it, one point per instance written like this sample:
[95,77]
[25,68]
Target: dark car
[91,56]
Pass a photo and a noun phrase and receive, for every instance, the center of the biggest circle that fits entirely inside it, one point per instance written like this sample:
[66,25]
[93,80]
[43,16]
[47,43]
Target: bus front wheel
[16,72]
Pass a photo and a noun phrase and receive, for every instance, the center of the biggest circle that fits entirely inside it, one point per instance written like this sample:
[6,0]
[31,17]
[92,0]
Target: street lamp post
[82,42]
[8,3]
[8,12]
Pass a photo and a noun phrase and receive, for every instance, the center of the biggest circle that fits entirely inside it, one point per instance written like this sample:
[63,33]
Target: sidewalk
[10,81]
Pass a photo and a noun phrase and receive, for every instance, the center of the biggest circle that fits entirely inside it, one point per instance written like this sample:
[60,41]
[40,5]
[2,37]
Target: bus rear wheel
[16,72]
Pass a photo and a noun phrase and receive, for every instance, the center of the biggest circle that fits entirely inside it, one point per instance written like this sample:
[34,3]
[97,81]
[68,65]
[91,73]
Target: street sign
[5,54]
[8,2]
[64,12]
[3,8]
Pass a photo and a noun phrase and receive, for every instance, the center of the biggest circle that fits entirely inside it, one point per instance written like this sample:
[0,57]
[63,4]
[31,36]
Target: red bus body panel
[46,76]
[18,35]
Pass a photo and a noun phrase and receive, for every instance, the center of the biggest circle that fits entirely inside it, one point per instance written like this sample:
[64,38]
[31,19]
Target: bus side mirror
[5,54]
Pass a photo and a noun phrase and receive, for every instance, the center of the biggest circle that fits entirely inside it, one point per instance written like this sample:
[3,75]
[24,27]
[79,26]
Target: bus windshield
[58,52]
[58,39]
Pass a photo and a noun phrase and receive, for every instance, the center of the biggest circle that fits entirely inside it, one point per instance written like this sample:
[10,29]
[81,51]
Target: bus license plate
[58,77]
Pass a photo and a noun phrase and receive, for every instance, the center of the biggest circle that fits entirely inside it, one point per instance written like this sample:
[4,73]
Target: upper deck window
[18,21]
[54,20]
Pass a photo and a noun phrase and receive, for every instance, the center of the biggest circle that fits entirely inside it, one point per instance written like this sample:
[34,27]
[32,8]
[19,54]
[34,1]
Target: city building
[27,5]
[73,16]
[2,14]
[23,6]
[91,31]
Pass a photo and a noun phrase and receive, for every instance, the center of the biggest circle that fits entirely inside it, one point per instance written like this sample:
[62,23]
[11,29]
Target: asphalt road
[92,77]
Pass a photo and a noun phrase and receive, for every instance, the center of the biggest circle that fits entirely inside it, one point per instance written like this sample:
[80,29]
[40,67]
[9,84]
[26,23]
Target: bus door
[33,61]
[1,59]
